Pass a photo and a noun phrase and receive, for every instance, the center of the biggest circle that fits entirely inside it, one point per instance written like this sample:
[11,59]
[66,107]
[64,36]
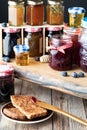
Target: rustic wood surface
[71,104]
[44,75]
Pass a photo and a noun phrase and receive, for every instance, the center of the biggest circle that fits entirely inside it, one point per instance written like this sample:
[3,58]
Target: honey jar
[55,12]
[6,82]
[16,12]
[21,55]
[35,12]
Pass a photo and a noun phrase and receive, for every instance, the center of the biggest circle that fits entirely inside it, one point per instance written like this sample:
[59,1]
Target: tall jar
[50,31]
[83,46]
[55,12]
[35,12]
[60,52]
[12,37]
[16,12]
[6,82]
[35,41]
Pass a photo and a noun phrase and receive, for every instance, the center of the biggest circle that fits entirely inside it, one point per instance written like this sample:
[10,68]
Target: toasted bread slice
[12,112]
[27,107]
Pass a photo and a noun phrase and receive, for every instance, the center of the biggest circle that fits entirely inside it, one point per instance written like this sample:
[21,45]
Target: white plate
[37,120]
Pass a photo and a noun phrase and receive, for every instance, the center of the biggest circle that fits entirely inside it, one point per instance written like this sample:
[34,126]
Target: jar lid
[33,2]
[33,29]
[53,2]
[84,22]
[76,10]
[6,70]
[11,30]
[21,48]
[54,28]
[15,2]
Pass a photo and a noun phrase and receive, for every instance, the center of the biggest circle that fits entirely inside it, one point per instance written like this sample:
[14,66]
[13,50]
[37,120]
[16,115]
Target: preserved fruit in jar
[76,14]
[55,12]
[6,82]
[34,40]
[16,12]
[83,46]
[35,12]
[60,53]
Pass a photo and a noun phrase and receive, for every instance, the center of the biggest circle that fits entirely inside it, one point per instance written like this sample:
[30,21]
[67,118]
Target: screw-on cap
[76,10]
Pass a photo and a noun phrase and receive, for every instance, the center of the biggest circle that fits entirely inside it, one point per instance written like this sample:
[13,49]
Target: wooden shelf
[44,75]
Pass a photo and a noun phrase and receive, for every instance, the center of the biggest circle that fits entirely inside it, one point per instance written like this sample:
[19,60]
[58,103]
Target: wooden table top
[68,103]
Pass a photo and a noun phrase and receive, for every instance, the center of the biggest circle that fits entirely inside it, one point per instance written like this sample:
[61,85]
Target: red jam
[60,53]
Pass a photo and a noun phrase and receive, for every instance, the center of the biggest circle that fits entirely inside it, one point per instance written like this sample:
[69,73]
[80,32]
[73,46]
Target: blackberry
[37,58]
[64,73]
[74,75]
[81,74]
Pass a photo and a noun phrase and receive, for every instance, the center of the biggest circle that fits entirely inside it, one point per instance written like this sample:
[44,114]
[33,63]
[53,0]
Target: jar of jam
[76,14]
[55,12]
[74,33]
[12,38]
[83,45]
[60,52]
[6,82]
[21,54]
[35,12]
[16,12]
[35,41]
[50,31]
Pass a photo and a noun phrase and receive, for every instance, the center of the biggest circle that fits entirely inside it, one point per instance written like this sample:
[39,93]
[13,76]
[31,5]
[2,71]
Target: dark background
[67,4]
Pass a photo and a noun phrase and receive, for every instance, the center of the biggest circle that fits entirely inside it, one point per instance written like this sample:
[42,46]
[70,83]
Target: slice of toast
[12,112]
[27,107]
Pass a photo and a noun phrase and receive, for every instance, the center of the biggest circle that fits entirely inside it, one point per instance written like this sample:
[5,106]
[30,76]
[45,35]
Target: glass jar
[16,12]
[21,54]
[83,46]
[55,12]
[50,31]
[6,82]
[12,37]
[60,52]
[35,41]
[35,12]
[74,33]
[76,14]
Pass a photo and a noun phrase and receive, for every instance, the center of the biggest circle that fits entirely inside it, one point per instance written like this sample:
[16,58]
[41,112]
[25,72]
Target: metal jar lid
[15,2]
[33,30]
[76,10]
[11,30]
[53,2]
[6,70]
[21,48]
[33,2]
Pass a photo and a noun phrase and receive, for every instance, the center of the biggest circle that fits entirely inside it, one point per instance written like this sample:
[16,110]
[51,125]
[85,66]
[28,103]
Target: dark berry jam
[60,53]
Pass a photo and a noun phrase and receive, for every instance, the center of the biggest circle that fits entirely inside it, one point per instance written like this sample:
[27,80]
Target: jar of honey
[76,14]
[21,55]
[35,41]
[16,12]
[6,82]
[55,12]
[35,12]
[83,45]
[60,52]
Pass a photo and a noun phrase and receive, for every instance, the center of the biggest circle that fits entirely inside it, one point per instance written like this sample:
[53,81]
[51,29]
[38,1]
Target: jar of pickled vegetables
[16,12]
[60,52]
[83,45]
[6,82]
[21,54]
[55,12]
[50,31]
[76,14]
[35,12]
[35,41]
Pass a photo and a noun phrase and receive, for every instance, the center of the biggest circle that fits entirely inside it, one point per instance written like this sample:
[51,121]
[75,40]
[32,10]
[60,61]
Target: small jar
[60,53]
[12,38]
[55,12]
[35,41]
[50,31]
[6,82]
[21,54]
[16,12]
[35,12]
[76,14]
[83,45]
